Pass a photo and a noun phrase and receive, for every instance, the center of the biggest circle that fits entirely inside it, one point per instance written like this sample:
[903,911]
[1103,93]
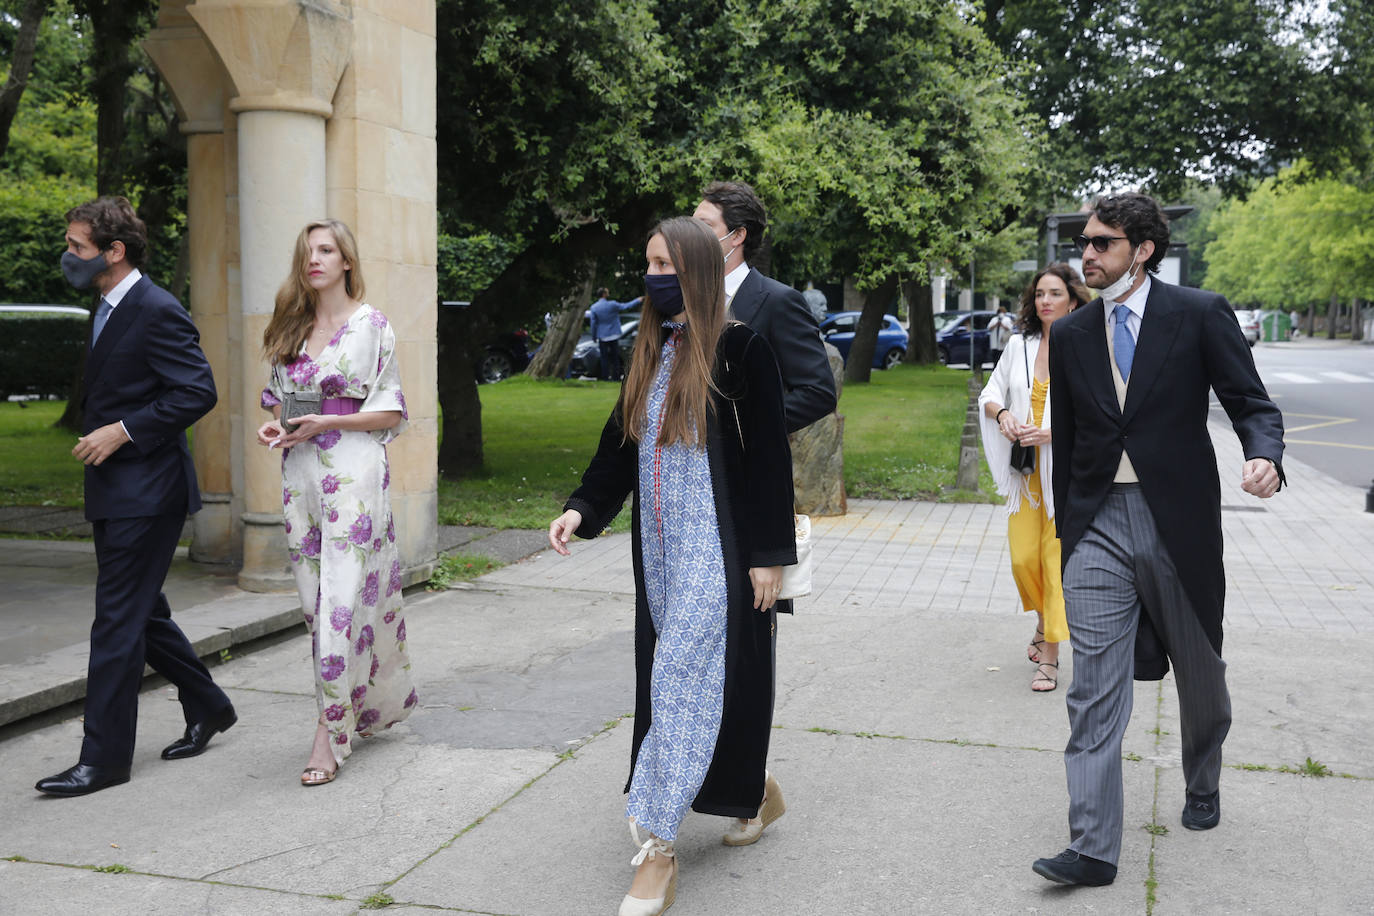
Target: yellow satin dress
[1034,544]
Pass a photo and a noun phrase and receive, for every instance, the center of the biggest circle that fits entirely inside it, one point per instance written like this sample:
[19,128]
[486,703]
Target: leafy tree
[1296,241]
[881,135]
[1152,92]
[21,63]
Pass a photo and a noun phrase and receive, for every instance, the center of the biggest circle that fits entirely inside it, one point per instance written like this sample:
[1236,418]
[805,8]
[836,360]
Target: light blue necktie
[1122,342]
[102,315]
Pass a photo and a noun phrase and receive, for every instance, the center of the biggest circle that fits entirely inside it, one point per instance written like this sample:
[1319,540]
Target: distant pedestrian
[605,314]
[335,398]
[776,312]
[698,437]
[1138,507]
[1000,329]
[146,381]
[1015,409]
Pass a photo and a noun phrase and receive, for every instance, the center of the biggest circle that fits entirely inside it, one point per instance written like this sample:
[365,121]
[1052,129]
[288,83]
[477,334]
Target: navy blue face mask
[665,293]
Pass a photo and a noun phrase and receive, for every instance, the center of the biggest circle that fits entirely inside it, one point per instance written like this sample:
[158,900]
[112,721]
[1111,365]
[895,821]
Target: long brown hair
[695,254]
[294,314]
[1029,319]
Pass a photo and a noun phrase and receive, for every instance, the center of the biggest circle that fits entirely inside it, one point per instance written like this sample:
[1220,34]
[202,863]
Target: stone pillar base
[213,538]
[266,567]
[818,467]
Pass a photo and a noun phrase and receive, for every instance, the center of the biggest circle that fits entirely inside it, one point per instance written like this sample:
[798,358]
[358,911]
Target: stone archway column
[281,187]
[284,58]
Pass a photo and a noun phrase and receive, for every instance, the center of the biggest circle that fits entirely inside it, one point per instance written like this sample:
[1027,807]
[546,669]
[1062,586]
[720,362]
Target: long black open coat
[751,475]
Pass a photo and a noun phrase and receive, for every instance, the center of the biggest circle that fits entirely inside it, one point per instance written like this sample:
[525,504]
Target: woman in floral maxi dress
[323,341]
[712,530]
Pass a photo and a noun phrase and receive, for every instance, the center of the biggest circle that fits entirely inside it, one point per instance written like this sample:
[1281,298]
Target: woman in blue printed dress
[698,437]
[324,342]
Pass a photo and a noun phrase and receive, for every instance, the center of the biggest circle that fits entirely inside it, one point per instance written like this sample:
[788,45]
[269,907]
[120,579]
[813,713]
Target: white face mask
[723,238]
[1118,289]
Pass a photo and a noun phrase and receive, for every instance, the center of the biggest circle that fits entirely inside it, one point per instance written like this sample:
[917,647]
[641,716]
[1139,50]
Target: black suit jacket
[780,315]
[1189,344]
[148,370]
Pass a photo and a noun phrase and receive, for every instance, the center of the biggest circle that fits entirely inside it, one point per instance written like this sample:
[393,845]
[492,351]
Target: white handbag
[796,579]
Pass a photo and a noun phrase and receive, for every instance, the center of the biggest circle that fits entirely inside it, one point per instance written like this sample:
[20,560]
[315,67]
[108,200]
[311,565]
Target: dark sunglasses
[1100,242]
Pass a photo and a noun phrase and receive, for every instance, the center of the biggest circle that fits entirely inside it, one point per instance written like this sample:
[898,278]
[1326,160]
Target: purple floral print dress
[340,534]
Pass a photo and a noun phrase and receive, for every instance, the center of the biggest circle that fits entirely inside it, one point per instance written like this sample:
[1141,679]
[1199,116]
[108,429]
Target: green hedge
[39,353]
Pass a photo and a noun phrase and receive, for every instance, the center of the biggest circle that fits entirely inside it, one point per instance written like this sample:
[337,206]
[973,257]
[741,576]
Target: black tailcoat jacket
[1189,345]
[148,370]
[779,314]
[752,484]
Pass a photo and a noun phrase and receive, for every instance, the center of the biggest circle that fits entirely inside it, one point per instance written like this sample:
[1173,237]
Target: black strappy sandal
[1036,644]
[1043,678]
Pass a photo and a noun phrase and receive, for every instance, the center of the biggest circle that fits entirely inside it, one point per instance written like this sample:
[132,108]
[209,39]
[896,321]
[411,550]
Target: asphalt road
[1326,392]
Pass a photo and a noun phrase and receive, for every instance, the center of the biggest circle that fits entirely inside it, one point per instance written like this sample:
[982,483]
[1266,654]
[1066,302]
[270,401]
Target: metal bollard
[1369,498]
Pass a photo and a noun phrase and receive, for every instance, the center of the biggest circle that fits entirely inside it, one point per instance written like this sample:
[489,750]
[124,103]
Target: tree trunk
[858,367]
[1310,320]
[1333,314]
[460,337]
[920,348]
[1356,319]
[561,339]
[21,64]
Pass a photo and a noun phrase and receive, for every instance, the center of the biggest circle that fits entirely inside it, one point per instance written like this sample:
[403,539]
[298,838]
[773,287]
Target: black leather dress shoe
[82,779]
[1202,812]
[1071,868]
[198,735]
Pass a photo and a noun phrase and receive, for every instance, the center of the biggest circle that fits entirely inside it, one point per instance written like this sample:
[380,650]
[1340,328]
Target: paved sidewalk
[921,774]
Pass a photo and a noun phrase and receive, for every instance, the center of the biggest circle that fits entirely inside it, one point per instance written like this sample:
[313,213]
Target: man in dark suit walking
[1138,507]
[146,382]
[776,312]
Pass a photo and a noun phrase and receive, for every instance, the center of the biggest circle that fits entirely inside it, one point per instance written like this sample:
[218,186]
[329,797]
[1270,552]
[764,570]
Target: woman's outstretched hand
[562,528]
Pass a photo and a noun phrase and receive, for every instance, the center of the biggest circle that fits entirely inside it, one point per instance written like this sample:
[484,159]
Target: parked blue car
[838,329]
[952,332]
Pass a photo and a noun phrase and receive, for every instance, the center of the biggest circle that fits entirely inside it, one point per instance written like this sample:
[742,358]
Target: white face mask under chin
[1118,289]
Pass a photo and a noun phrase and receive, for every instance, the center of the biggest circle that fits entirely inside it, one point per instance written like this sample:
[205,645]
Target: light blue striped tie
[102,315]
[1122,342]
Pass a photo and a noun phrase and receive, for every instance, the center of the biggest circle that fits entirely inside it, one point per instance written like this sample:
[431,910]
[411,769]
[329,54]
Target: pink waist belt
[340,406]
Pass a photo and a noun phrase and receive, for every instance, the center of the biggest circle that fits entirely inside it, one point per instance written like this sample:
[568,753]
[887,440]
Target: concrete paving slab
[238,813]
[28,889]
[1285,844]
[1291,699]
[961,851]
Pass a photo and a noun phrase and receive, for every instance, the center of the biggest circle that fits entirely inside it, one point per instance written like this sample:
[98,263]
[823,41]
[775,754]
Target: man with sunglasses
[1138,508]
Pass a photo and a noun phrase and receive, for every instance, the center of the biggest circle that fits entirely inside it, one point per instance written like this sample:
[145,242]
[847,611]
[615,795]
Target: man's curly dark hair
[113,219]
[740,206]
[1138,217]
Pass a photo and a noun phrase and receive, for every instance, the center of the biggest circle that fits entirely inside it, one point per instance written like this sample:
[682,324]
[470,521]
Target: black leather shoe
[82,779]
[198,735]
[1071,868]
[1202,812]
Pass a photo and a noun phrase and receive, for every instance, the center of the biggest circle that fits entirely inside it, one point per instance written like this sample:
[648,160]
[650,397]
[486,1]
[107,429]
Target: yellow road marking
[1367,448]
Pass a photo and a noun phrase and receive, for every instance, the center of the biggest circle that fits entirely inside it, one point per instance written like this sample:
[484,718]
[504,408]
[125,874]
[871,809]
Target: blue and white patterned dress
[684,580]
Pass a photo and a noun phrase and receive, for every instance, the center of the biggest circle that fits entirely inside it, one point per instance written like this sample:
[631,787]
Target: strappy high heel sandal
[1043,677]
[638,906]
[1036,644]
[743,833]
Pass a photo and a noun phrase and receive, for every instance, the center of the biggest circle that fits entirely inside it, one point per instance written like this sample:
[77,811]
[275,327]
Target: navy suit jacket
[1189,345]
[779,315]
[148,370]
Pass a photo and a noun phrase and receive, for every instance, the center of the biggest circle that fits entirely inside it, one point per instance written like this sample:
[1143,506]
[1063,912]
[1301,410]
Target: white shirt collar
[116,295]
[735,279]
[1135,301]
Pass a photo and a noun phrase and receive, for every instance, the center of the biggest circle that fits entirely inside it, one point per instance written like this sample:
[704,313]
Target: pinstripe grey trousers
[1118,569]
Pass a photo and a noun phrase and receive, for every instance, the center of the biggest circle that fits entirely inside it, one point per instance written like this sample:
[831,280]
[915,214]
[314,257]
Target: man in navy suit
[776,312]
[1138,508]
[146,381]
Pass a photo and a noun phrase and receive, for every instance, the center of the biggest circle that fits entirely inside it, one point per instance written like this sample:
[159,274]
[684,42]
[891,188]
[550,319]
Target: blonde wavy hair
[695,254]
[293,317]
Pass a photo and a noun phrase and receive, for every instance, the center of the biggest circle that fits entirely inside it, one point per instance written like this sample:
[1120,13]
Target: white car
[1249,320]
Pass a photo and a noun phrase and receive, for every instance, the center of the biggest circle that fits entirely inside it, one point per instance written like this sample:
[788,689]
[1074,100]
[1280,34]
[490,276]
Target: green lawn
[36,463]
[901,442]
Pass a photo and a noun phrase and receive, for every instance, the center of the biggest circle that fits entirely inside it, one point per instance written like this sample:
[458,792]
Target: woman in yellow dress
[1015,409]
